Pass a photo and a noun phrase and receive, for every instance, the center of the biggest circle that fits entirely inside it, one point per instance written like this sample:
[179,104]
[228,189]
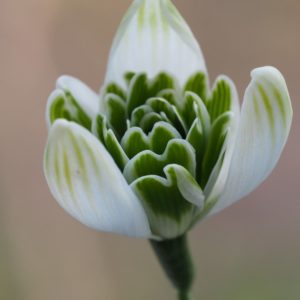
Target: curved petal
[217,178]
[71,98]
[172,202]
[153,37]
[263,130]
[86,182]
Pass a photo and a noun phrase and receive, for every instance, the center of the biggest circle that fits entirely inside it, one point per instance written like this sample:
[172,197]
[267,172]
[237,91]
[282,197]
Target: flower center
[154,123]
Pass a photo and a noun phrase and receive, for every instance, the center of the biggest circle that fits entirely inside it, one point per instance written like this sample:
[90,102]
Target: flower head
[159,149]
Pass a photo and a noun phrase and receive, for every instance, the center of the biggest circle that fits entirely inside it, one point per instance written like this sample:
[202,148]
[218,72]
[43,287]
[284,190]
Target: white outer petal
[86,182]
[152,38]
[263,131]
[87,99]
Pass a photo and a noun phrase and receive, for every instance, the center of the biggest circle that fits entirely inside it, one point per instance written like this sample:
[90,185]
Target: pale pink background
[250,251]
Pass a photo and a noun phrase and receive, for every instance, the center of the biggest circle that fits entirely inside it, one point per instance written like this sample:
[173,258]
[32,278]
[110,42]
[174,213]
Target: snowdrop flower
[159,149]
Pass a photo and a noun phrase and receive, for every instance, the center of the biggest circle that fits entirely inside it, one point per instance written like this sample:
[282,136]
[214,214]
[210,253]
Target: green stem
[183,296]
[175,258]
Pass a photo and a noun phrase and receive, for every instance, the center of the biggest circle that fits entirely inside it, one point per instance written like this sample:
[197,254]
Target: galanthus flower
[159,148]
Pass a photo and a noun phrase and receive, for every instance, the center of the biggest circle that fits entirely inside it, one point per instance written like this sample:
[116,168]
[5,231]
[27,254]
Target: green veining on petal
[115,149]
[256,106]
[198,85]
[80,116]
[78,153]
[220,100]
[67,173]
[115,89]
[268,108]
[189,112]
[141,15]
[161,82]
[280,104]
[57,168]
[65,106]
[138,92]
[153,18]
[214,145]
[196,138]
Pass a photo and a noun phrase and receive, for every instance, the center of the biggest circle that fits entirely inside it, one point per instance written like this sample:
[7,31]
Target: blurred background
[250,251]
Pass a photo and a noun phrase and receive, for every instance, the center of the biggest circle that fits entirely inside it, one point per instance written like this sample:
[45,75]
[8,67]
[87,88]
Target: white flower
[159,150]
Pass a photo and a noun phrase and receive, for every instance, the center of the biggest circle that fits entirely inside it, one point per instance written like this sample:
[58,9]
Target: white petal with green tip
[72,91]
[263,130]
[153,37]
[86,182]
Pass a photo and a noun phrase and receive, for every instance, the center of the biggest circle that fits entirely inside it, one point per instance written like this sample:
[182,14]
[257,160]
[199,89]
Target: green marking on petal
[116,151]
[141,15]
[57,108]
[160,136]
[57,169]
[196,138]
[139,113]
[67,172]
[64,106]
[161,82]
[159,105]
[214,145]
[268,108]
[100,128]
[138,92]
[128,77]
[198,85]
[134,141]
[77,151]
[280,104]
[169,213]
[109,140]
[149,120]
[188,112]
[116,112]
[256,106]
[169,95]
[115,89]
[220,100]
[148,163]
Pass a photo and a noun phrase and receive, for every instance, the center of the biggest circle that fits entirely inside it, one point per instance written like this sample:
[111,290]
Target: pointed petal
[72,100]
[153,37]
[263,130]
[86,182]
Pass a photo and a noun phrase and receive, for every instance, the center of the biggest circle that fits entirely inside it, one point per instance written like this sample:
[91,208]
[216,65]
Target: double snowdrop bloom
[159,149]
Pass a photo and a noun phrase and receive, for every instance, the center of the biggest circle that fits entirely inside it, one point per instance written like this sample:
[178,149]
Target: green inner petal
[198,85]
[65,106]
[221,99]
[149,163]
[169,213]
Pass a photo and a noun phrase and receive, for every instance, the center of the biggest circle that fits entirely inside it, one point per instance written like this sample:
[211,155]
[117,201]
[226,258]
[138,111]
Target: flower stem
[183,296]
[175,258]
